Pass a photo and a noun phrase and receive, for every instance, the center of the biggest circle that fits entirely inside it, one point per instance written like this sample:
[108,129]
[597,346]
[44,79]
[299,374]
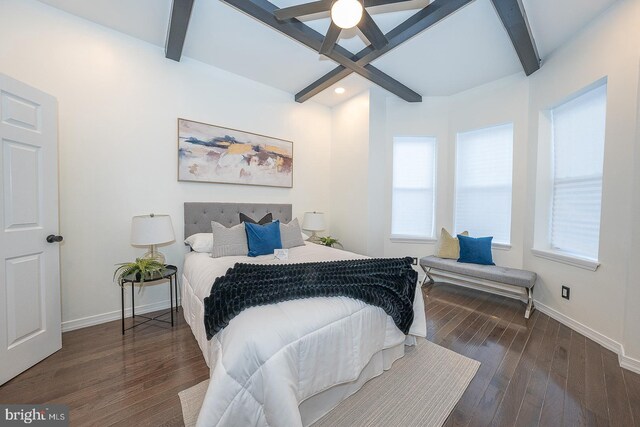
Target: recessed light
[340,90]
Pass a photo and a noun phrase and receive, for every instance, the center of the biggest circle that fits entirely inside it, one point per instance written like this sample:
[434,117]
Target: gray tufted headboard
[198,215]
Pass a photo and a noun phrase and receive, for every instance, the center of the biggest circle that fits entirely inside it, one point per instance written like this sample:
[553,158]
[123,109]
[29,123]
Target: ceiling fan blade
[372,3]
[330,39]
[303,9]
[371,31]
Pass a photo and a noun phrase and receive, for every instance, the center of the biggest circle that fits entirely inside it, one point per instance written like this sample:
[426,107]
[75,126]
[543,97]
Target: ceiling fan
[345,14]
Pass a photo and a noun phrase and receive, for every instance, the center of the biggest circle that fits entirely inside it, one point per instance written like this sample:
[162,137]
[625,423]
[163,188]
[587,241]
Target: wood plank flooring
[110,379]
[533,373]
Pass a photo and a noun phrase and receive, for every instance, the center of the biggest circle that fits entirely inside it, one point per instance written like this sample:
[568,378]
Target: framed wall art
[208,153]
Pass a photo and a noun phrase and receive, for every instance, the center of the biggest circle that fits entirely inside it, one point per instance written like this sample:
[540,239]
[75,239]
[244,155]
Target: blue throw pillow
[475,250]
[263,239]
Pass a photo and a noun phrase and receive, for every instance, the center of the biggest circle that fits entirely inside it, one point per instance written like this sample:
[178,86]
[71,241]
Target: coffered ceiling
[469,48]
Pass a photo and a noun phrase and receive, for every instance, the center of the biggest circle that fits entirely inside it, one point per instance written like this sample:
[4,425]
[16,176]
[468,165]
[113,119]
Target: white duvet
[271,358]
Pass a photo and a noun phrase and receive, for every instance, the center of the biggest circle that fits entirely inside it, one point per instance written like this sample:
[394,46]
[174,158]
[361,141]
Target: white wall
[610,48]
[349,173]
[379,174]
[632,313]
[119,100]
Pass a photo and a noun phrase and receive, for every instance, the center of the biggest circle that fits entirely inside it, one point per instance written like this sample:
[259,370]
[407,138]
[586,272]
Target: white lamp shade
[346,13]
[151,230]
[313,221]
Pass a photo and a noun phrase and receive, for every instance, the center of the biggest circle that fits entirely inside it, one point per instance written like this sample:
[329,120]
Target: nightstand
[169,272]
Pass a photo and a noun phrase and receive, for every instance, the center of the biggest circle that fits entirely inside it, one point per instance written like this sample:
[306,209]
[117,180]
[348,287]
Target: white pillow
[201,242]
[305,236]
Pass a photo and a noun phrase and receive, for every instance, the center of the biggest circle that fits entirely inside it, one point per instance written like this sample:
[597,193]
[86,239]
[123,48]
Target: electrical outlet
[566,292]
[415,261]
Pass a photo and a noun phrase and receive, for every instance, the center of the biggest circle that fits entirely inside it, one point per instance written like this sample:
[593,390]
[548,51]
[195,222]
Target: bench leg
[427,278]
[530,306]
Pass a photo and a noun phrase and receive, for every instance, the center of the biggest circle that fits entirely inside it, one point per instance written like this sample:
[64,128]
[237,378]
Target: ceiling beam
[330,39]
[420,21]
[373,3]
[303,9]
[514,19]
[371,31]
[263,11]
[180,15]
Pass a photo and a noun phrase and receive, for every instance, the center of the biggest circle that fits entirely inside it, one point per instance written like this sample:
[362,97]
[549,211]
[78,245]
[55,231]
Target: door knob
[51,238]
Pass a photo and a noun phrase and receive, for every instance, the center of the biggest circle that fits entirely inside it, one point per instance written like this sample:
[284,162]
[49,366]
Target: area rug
[421,389]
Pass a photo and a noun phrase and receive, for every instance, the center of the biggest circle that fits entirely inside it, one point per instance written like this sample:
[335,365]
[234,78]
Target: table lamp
[313,221]
[152,230]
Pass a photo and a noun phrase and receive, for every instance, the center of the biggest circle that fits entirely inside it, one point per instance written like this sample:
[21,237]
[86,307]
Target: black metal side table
[169,272]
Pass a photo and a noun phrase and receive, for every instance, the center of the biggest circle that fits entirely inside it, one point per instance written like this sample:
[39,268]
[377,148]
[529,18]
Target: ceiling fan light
[346,13]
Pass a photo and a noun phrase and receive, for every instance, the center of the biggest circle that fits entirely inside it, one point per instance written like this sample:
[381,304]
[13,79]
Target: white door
[30,266]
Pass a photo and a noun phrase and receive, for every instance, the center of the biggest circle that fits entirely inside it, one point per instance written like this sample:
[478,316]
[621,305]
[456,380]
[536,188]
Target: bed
[288,363]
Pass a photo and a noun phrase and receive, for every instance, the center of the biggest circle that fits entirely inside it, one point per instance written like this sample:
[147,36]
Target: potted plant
[330,241]
[143,268]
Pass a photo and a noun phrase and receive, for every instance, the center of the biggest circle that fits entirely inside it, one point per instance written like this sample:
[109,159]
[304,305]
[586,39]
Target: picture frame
[215,154]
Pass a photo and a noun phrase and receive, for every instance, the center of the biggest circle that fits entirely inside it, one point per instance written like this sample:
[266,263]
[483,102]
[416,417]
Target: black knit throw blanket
[386,283]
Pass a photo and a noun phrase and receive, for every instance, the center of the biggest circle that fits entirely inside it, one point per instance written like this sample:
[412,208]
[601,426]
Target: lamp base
[153,253]
[314,239]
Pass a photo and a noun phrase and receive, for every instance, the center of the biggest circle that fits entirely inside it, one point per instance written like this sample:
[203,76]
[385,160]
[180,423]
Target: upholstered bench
[509,282]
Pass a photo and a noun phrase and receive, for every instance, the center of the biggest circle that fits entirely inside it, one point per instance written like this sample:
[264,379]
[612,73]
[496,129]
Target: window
[413,205]
[484,165]
[578,128]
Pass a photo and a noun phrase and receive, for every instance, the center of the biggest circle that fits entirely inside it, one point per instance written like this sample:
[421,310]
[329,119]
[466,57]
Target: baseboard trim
[625,362]
[596,336]
[629,363]
[85,322]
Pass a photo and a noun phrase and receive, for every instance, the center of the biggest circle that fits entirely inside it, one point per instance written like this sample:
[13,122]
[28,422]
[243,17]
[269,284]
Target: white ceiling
[469,48]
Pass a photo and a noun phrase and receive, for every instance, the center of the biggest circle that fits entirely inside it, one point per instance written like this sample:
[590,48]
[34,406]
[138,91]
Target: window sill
[431,240]
[576,261]
[501,246]
[414,240]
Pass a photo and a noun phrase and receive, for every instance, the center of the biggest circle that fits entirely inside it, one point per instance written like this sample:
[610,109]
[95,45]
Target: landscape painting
[208,153]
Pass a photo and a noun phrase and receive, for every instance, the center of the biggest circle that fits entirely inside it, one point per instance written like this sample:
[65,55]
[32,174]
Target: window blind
[484,166]
[413,205]
[578,157]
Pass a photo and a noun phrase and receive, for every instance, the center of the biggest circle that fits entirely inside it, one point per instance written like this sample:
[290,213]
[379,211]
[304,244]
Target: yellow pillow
[448,246]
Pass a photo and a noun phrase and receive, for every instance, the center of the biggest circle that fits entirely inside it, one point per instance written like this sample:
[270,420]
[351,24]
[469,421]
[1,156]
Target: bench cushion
[510,276]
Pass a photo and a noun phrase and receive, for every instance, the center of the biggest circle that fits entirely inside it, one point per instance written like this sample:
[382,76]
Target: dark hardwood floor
[535,372]
[110,379]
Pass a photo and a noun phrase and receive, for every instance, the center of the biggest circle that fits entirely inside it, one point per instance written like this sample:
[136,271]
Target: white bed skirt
[315,407]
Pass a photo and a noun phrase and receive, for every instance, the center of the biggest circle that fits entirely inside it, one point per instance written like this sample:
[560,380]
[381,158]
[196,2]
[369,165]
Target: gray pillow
[291,235]
[229,241]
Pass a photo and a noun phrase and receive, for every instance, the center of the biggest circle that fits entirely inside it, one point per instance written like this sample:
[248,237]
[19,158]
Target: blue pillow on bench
[475,250]
[263,239]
